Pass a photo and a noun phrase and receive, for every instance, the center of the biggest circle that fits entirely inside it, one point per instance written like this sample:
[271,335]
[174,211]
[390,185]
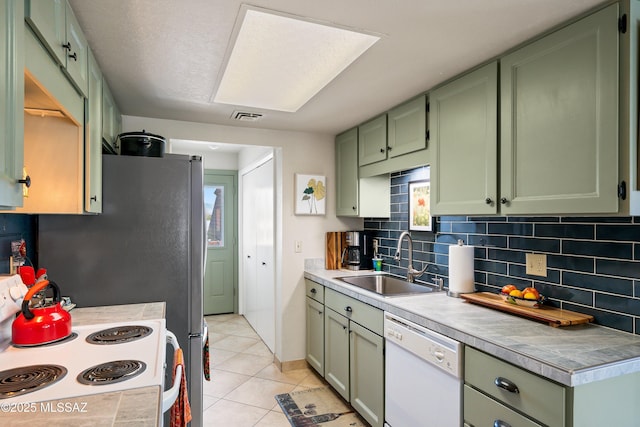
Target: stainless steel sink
[387,285]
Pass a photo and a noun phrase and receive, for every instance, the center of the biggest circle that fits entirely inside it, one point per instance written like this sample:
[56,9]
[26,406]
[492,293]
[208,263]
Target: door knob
[488,200]
[504,201]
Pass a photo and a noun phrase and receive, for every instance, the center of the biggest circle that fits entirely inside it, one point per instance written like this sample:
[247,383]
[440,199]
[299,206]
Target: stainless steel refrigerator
[146,246]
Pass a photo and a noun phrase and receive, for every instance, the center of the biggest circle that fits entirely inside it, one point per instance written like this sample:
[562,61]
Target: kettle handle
[28,314]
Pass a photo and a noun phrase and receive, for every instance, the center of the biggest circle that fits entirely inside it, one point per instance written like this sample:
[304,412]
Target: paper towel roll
[461,272]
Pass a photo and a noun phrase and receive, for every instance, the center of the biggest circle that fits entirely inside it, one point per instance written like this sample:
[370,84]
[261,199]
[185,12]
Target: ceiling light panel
[279,62]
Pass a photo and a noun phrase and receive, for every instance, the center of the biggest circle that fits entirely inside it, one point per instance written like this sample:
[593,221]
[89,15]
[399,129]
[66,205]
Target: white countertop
[570,355]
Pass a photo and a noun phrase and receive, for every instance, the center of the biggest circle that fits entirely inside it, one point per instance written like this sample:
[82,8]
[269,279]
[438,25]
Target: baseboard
[290,365]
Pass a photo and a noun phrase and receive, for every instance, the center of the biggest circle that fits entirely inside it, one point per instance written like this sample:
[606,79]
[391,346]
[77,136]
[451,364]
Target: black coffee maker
[359,251]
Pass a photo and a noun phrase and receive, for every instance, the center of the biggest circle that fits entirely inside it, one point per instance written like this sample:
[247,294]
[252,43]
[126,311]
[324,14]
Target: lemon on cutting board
[515,293]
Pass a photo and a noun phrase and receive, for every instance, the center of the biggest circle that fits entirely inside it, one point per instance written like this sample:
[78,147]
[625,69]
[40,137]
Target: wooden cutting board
[330,251]
[553,316]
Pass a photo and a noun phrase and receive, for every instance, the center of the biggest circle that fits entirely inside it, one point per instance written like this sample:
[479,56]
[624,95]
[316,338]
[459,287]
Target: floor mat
[318,407]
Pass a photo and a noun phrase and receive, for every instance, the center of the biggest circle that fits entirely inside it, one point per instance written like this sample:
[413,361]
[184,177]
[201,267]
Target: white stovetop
[77,355]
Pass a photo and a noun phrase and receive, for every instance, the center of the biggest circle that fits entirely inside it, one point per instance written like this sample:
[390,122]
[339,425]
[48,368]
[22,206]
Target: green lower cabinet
[354,354]
[367,373]
[315,335]
[480,410]
[527,399]
[336,352]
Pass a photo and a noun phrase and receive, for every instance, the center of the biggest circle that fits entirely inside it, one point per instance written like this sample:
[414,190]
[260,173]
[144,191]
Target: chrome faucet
[412,273]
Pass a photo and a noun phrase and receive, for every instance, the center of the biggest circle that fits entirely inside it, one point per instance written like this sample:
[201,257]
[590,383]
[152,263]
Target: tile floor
[244,379]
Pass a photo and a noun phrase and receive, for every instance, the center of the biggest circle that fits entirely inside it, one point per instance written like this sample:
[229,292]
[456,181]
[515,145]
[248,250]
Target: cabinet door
[336,352]
[11,102]
[93,141]
[463,129]
[347,173]
[367,374]
[47,19]
[109,112]
[77,52]
[315,335]
[372,141]
[559,121]
[408,127]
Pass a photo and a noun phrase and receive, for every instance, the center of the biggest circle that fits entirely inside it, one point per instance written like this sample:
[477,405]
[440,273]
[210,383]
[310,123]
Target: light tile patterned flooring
[244,379]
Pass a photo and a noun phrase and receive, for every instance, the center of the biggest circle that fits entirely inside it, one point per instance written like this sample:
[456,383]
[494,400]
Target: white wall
[299,153]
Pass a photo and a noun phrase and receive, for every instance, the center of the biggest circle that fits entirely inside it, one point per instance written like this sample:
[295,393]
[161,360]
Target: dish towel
[205,360]
[181,409]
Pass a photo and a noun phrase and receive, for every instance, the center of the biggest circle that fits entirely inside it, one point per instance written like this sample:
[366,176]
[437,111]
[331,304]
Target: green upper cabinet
[356,196]
[404,146]
[372,141]
[111,119]
[407,128]
[347,173]
[93,141]
[463,130]
[11,102]
[57,27]
[559,121]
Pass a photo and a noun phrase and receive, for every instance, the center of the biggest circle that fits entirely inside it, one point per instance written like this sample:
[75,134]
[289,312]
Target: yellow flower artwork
[311,194]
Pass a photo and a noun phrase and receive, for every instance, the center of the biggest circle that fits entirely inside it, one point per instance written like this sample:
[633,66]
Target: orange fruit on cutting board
[515,293]
[508,288]
[536,294]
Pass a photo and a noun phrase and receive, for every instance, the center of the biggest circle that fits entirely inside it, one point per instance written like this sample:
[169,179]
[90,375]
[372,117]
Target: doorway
[221,228]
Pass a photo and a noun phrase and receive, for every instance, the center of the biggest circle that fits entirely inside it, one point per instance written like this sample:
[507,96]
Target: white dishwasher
[423,376]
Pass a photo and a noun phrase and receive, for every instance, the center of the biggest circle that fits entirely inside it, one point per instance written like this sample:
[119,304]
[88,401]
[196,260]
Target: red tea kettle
[41,325]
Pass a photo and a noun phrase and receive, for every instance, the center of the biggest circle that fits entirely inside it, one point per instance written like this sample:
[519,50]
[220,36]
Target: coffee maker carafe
[351,254]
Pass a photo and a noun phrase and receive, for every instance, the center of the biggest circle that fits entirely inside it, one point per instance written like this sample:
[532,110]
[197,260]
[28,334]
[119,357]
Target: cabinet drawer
[315,290]
[541,398]
[364,314]
[480,410]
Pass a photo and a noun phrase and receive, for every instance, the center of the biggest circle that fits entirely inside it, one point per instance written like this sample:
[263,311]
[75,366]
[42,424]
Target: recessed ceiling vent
[245,116]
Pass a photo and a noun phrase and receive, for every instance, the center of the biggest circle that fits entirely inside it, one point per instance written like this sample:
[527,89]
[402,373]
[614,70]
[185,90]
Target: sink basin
[386,285]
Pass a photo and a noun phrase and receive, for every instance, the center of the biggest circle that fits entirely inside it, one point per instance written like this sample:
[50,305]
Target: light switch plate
[536,265]
[298,246]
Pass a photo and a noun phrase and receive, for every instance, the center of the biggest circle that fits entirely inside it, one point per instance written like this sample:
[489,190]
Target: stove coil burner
[26,379]
[71,337]
[119,334]
[111,372]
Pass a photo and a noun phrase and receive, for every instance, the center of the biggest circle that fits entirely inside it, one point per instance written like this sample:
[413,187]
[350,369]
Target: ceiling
[161,58]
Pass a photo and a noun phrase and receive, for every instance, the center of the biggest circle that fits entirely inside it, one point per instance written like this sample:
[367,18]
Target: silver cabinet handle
[504,200]
[506,384]
[500,423]
[348,309]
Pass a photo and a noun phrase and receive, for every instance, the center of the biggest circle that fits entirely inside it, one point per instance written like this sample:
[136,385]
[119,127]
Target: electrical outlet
[536,265]
[298,246]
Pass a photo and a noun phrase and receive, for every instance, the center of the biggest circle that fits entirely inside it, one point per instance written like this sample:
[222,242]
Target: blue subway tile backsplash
[593,263]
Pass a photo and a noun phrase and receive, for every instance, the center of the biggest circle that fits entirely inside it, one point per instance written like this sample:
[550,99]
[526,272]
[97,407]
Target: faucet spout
[412,273]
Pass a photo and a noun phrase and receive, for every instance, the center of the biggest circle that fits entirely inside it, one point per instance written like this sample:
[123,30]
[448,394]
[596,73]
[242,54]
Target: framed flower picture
[419,207]
[311,194]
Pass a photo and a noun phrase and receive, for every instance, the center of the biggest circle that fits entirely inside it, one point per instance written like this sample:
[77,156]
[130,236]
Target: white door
[258,251]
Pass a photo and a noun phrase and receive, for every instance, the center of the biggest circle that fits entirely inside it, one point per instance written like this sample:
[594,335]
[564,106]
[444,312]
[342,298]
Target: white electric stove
[126,355]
